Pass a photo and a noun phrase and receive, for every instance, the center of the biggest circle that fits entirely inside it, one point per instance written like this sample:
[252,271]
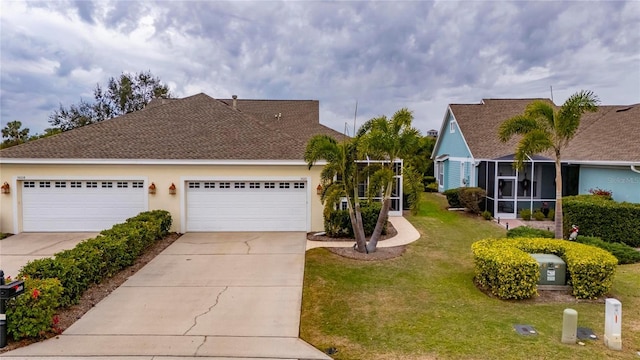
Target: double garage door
[79,205]
[95,205]
[246,206]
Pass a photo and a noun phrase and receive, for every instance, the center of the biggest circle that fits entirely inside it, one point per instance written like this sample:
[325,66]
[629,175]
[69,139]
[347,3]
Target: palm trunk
[358,228]
[558,210]
[382,219]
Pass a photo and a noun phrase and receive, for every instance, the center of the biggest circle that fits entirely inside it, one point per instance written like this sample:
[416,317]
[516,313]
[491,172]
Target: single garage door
[65,205]
[246,206]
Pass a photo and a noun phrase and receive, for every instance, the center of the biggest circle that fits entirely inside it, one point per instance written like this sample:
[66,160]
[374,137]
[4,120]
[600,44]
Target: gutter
[633,168]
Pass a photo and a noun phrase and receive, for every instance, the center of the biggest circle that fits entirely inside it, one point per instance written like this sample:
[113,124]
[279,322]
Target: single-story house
[216,165]
[604,154]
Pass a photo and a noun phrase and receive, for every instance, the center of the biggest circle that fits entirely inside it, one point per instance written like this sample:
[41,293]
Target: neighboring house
[216,165]
[432,133]
[605,154]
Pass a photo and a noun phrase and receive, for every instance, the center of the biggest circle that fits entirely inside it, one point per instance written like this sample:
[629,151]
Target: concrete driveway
[217,295]
[17,250]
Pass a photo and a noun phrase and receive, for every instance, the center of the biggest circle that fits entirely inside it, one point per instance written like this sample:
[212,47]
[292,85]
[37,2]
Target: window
[238,185]
[452,126]
[61,184]
[92,184]
[122,184]
[254,185]
[284,185]
[107,184]
[269,185]
[298,185]
[440,173]
[29,184]
[209,185]
[76,184]
[194,185]
[138,184]
[45,184]
[224,185]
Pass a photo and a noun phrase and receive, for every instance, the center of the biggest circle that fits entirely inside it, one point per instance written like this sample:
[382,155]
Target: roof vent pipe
[235,101]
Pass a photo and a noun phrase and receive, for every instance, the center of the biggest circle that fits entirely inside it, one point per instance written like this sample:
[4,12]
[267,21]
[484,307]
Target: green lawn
[424,304]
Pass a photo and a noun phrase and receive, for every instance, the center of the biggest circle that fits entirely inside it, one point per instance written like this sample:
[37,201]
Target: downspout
[633,168]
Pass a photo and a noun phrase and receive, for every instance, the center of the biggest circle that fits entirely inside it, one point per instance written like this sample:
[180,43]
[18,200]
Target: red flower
[56,320]
[8,279]
[35,293]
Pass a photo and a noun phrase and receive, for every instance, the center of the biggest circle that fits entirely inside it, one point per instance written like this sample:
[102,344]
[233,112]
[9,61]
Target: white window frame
[452,126]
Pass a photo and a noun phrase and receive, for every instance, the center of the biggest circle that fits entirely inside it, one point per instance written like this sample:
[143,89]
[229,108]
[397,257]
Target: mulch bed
[349,252]
[97,292]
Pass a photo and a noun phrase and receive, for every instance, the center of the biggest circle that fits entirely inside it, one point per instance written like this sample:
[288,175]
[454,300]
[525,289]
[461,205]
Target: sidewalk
[406,235]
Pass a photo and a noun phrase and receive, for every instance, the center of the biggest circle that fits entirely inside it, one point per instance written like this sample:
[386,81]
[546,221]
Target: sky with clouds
[422,55]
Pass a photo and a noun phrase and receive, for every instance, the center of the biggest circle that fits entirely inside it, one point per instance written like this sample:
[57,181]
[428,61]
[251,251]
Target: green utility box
[553,270]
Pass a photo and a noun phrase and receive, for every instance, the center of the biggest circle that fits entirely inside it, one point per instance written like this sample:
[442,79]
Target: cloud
[385,55]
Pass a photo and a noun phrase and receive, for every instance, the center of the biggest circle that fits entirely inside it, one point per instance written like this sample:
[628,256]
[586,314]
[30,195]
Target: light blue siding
[624,183]
[452,144]
[452,176]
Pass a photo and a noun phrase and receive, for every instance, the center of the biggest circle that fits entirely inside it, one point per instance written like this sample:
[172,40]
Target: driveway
[17,250]
[218,295]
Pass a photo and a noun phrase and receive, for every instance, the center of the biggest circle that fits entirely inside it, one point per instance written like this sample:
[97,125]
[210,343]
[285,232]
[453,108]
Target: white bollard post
[569,326]
[613,324]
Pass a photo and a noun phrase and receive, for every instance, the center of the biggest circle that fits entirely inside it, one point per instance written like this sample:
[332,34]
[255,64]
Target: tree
[127,93]
[386,140]
[338,178]
[14,134]
[545,127]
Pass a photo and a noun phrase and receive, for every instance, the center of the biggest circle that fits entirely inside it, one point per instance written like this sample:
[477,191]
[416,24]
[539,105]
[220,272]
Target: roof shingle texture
[193,128]
[610,134]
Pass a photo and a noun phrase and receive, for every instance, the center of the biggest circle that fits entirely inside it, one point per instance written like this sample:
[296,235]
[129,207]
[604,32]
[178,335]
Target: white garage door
[59,205]
[246,206]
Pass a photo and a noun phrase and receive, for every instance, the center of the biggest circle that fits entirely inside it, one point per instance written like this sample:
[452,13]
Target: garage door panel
[84,207]
[247,209]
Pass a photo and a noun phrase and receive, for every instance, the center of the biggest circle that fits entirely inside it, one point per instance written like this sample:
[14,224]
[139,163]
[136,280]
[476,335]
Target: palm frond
[517,125]
[569,115]
[533,142]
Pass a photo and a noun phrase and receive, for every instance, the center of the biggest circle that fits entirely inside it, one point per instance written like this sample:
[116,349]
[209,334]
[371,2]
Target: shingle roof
[606,135]
[196,127]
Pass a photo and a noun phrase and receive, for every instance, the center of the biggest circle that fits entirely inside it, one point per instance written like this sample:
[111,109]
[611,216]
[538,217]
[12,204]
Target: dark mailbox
[11,290]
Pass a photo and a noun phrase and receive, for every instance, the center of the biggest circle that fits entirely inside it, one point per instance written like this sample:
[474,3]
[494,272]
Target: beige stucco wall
[161,175]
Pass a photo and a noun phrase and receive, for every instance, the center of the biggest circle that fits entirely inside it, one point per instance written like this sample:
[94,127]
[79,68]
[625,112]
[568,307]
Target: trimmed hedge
[506,268]
[624,253]
[609,220]
[338,224]
[453,197]
[31,314]
[95,259]
[466,197]
[528,231]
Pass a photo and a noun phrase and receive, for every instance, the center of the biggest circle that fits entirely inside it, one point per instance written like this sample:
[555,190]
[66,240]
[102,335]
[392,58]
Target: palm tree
[545,127]
[338,179]
[14,134]
[387,140]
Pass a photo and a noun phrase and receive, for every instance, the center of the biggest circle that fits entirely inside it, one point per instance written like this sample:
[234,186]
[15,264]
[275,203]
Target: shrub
[529,232]
[453,197]
[427,179]
[31,314]
[609,220]
[551,215]
[64,269]
[607,194]
[538,215]
[432,187]
[470,198]
[486,215]
[507,269]
[624,253]
[525,214]
[338,224]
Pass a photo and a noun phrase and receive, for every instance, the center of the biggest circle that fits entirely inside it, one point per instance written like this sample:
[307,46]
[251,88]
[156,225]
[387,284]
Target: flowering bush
[601,192]
[32,313]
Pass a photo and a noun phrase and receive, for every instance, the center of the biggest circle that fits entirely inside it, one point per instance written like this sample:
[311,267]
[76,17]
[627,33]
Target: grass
[424,304]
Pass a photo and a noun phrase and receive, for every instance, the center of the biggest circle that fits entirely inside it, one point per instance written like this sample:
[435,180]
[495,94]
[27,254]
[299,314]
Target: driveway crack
[204,341]
[195,320]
